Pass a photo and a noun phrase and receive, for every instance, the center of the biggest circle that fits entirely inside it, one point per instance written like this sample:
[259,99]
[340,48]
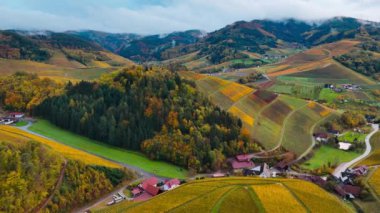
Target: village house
[17,115]
[321,137]
[170,184]
[261,170]
[348,191]
[241,162]
[344,146]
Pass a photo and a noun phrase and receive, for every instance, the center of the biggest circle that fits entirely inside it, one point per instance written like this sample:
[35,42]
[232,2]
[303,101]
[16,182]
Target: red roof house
[243,157]
[242,164]
[136,191]
[152,190]
[150,181]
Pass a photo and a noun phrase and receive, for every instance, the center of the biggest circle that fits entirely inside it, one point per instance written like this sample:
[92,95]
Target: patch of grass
[351,136]
[328,95]
[135,159]
[21,123]
[326,154]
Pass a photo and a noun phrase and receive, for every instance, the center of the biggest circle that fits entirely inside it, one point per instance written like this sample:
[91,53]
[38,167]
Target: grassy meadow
[132,158]
[328,155]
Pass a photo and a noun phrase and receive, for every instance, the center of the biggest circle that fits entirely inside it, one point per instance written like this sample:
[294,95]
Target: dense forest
[22,91]
[29,172]
[364,62]
[15,46]
[151,110]
[83,183]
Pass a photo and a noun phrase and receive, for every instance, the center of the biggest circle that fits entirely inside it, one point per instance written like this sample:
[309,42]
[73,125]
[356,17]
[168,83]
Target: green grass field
[239,195]
[135,159]
[21,123]
[325,155]
[351,136]
[328,95]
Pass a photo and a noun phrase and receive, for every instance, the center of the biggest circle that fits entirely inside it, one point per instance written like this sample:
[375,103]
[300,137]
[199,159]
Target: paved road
[342,167]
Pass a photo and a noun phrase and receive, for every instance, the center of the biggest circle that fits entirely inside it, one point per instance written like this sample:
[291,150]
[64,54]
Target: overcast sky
[162,16]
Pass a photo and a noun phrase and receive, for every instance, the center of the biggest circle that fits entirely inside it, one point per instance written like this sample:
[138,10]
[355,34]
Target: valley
[180,122]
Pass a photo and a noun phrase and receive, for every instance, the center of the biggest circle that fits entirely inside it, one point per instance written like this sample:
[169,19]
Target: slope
[240,195]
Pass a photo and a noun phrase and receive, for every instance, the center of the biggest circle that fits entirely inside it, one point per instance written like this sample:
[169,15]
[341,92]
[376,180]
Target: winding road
[342,167]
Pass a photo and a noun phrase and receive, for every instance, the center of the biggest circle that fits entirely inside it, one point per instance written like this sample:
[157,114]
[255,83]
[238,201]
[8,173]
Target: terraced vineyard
[272,120]
[240,195]
[298,129]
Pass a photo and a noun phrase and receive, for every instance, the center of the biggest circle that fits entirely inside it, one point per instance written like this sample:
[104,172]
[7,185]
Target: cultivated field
[240,194]
[299,127]
[13,134]
[272,120]
[113,153]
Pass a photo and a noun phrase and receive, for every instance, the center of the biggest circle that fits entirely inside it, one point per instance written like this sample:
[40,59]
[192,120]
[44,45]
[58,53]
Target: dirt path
[343,166]
[43,204]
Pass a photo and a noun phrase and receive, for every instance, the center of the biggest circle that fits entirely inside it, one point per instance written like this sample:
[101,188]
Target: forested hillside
[22,91]
[29,174]
[152,110]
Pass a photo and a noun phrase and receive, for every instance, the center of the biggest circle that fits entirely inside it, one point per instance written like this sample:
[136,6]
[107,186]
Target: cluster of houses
[243,164]
[152,187]
[323,138]
[343,87]
[11,118]
[346,187]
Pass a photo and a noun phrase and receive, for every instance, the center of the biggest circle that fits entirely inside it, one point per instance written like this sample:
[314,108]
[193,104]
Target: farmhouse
[16,115]
[145,190]
[241,162]
[170,184]
[261,170]
[321,137]
[344,146]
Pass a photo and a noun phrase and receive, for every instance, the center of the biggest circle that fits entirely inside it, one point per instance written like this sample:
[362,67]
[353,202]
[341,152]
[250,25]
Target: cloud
[162,16]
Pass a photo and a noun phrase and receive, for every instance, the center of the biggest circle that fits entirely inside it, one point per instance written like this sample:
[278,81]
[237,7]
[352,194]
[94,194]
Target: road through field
[342,167]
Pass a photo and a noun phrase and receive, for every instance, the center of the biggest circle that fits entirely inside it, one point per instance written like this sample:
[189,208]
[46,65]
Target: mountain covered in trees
[256,36]
[29,172]
[151,110]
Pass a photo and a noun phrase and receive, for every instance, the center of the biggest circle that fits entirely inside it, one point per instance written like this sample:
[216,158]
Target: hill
[37,174]
[240,195]
[270,41]
[153,111]
[272,120]
[58,55]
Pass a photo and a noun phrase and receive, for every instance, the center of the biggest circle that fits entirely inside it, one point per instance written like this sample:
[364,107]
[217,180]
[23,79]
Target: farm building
[321,137]
[348,191]
[147,189]
[241,162]
[344,146]
[170,184]
[16,115]
[262,170]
